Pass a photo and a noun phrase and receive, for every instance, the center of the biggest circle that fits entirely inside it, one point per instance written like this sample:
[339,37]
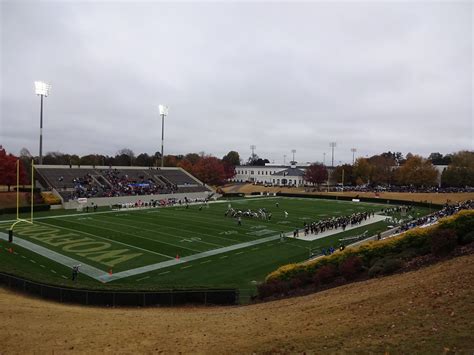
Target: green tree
[460,172]
[232,158]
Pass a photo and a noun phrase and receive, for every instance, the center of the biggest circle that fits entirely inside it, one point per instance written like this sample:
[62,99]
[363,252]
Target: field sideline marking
[164,264]
[134,210]
[59,258]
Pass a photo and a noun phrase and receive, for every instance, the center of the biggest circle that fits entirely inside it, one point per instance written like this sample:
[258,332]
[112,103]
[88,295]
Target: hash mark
[240,252]
[54,272]
[164,272]
[42,266]
[64,277]
[223,257]
[185,267]
[34,262]
[207,261]
[143,278]
[24,257]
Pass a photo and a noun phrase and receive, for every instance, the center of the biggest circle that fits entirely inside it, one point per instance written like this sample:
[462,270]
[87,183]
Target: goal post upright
[18,219]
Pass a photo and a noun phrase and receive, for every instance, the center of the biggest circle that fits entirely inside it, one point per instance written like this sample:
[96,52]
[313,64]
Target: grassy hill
[426,311]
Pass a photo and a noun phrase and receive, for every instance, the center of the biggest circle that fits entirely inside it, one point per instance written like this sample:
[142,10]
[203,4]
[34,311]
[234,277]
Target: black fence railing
[172,297]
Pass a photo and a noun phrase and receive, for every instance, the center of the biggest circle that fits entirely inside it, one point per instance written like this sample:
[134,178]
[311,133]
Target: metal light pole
[42,89]
[284,159]
[353,150]
[163,112]
[253,152]
[293,151]
[332,145]
[324,158]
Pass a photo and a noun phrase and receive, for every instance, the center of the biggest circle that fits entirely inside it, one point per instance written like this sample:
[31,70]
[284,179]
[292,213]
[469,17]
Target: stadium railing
[172,297]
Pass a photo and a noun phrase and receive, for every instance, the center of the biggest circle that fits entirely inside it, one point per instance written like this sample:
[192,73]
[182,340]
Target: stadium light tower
[163,112]
[253,151]
[284,159]
[293,151]
[42,89]
[332,145]
[353,150]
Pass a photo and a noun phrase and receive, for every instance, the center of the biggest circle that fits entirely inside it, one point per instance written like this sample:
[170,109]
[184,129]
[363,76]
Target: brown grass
[439,198]
[427,311]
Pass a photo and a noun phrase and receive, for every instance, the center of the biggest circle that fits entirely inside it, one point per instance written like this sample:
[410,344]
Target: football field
[152,248]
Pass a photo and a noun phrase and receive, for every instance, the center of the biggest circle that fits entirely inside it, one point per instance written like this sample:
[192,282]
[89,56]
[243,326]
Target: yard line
[143,278]
[110,240]
[186,267]
[132,235]
[255,248]
[159,232]
[166,272]
[205,262]
[223,257]
[240,252]
[203,226]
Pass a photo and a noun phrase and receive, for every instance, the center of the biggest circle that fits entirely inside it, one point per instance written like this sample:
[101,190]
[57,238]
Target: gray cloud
[375,76]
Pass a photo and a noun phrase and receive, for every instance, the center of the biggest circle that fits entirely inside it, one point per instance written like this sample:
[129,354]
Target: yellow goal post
[18,219]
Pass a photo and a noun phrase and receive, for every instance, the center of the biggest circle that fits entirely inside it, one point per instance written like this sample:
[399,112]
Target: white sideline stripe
[59,258]
[163,264]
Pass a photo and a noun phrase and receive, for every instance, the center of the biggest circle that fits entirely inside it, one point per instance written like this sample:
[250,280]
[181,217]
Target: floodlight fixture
[42,88]
[163,112]
[293,151]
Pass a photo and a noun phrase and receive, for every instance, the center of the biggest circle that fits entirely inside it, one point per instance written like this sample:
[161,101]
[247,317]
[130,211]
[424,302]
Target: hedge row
[375,257]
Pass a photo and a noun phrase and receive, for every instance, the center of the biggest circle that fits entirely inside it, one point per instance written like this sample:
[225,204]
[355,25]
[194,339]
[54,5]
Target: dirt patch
[425,311]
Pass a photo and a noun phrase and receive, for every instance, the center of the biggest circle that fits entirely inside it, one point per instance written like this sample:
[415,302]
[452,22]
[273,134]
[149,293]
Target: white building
[279,175]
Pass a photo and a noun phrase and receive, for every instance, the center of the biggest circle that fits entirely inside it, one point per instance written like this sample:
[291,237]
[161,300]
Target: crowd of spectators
[410,189]
[113,183]
[447,210]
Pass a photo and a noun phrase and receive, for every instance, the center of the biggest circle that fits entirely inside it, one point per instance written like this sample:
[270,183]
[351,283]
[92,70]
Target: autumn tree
[8,169]
[210,170]
[382,168]
[316,174]
[460,173]
[362,171]
[417,171]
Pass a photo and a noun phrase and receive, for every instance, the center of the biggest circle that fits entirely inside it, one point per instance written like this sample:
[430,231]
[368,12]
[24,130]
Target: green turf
[150,236]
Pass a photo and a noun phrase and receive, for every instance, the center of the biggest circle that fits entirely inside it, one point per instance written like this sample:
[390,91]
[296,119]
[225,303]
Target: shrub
[385,266]
[391,265]
[326,273]
[271,288]
[443,242]
[408,254]
[467,238]
[350,267]
[375,270]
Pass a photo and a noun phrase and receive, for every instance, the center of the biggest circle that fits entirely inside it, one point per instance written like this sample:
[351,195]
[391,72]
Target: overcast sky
[376,76]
